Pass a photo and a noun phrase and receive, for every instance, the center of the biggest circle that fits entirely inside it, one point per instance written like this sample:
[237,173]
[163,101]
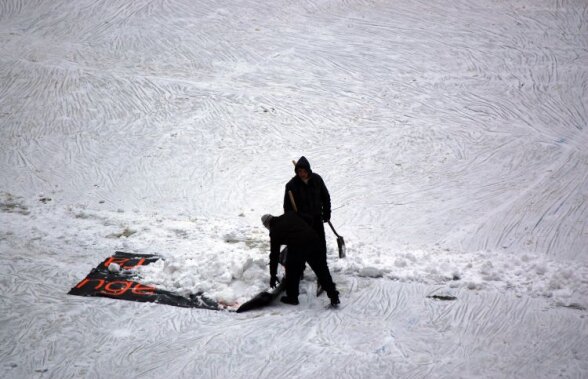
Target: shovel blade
[341,246]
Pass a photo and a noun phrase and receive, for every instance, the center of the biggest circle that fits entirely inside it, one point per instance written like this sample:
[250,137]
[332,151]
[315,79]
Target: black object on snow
[442,297]
[263,298]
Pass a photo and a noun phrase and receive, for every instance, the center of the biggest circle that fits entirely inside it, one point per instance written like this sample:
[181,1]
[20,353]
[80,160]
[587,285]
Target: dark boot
[334,296]
[289,300]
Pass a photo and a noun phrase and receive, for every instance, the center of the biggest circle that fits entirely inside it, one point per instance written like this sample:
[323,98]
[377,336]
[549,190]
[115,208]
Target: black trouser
[318,226]
[298,256]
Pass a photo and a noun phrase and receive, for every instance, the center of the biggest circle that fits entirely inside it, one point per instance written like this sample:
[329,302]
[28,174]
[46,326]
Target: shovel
[340,242]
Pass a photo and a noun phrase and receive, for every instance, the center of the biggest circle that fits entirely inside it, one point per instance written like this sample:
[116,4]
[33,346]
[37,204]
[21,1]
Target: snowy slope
[452,137]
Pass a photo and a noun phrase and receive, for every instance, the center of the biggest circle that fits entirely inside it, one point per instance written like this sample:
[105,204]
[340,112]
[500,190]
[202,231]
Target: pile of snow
[565,282]
[227,259]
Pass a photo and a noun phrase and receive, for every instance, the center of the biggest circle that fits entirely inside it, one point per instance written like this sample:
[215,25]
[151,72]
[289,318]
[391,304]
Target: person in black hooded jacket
[312,199]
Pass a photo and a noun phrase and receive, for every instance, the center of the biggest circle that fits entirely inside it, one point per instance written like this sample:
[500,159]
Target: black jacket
[289,229]
[312,199]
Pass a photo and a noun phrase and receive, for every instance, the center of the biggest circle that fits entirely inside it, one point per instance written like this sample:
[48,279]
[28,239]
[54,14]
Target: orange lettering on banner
[119,261]
[122,262]
[86,281]
[111,289]
[141,289]
[140,263]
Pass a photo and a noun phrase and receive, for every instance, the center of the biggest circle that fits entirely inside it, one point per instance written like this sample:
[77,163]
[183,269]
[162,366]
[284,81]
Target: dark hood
[303,163]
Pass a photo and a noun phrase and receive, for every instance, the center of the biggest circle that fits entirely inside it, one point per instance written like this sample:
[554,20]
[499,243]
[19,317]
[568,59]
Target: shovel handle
[291,195]
[333,229]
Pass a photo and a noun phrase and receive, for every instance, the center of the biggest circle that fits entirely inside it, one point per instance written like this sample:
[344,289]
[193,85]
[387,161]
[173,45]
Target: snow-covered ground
[452,136]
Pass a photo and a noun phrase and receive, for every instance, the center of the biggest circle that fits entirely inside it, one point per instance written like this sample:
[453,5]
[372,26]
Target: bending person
[304,246]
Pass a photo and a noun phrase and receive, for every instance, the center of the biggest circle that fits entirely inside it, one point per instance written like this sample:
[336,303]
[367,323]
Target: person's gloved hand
[274,281]
[327,217]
